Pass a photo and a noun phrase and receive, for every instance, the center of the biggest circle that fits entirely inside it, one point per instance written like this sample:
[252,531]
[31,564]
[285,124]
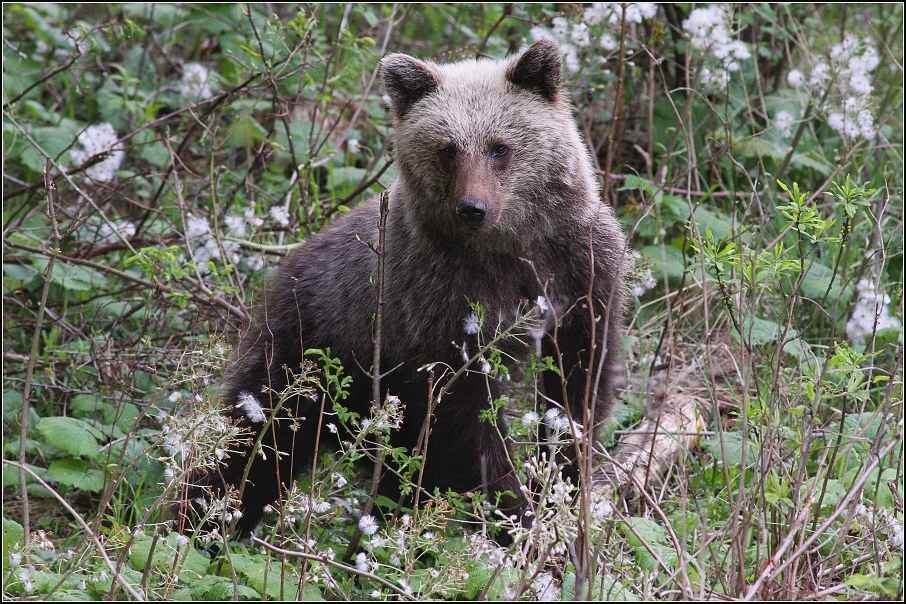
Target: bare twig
[100,547]
[33,354]
[375,369]
[324,559]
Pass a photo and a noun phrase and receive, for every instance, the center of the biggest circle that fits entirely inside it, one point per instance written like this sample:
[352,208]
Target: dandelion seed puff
[795,78]
[560,28]
[860,84]
[579,35]
[368,524]
[820,75]
[195,84]
[279,215]
[552,418]
[529,420]
[252,408]
[783,121]
[361,562]
[608,42]
[197,227]
[471,324]
[836,121]
[15,559]
[571,57]
[484,365]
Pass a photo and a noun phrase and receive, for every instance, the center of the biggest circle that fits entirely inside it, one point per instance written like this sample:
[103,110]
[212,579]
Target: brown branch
[151,285]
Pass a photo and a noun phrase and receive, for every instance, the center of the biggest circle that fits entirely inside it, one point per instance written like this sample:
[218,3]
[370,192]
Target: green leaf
[76,473]
[731,452]
[758,331]
[13,535]
[194,564]
[818,279]
[715,220]
[665,260]
[19,272]
[218,589]
[263,574]
[88,406]
[651,536]
[73,276]
[72,435]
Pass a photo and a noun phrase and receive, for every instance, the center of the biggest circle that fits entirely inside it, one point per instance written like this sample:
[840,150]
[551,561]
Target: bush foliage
[158,159]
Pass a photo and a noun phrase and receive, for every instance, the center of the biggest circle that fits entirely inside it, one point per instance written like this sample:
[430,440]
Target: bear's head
[487,151]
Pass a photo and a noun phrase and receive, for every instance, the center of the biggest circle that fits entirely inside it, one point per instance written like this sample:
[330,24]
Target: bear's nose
[471,211]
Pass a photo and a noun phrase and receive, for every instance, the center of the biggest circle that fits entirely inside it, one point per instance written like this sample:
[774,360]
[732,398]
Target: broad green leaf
[715,220]
[70,434]
[194,568]
[665,259]
[731,452]
[76,473]
[758,331]
[218,589]
[73,276]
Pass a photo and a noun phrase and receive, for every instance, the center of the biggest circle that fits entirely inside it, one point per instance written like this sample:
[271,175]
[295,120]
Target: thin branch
[324,559]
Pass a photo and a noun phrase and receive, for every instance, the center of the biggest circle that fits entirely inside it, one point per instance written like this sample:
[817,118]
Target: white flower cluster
[559,423]
[710,30]
[576,38]
[855,120]
[195,85]
[99,139]
[251,407]
[852,62]
[641,279]
[783,122]
[870,313]
[205,246]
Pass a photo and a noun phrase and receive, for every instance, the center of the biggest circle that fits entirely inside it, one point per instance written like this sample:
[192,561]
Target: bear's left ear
[406,80]
[538,69]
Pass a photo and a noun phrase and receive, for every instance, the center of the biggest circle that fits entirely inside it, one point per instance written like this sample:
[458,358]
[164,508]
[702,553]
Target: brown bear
[496,203]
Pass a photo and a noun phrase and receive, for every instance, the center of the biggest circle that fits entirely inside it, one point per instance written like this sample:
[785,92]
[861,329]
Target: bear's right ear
[406,80]
[538,69]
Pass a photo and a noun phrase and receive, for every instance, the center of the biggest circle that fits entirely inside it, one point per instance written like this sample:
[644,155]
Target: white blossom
[368,524]
[361,562]
[99,139]
[870,313]
[471,324]
[252,408]
[783,121]
[795,78]
[322,507]
[195,84]
[530,420]
[280,215]
[484,365]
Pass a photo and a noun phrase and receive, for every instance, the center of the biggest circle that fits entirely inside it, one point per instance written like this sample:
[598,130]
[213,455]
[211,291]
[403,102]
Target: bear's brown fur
[496,203]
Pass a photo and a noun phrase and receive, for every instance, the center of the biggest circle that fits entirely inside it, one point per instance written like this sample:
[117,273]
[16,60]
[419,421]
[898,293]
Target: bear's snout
[471,211]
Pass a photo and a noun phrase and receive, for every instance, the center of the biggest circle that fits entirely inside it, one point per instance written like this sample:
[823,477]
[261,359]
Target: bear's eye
[499,150]
[447,152]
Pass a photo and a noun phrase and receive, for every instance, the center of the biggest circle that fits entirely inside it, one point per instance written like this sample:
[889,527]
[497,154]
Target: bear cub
[496,203]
